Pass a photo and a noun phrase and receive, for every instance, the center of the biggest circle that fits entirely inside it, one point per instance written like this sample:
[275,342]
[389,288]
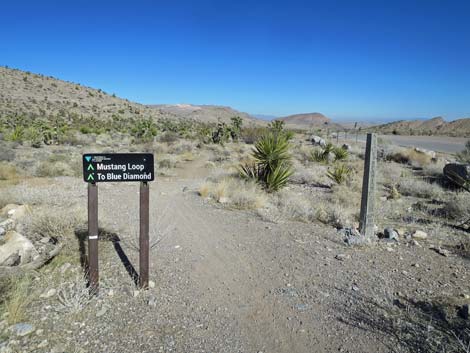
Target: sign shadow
[104,235]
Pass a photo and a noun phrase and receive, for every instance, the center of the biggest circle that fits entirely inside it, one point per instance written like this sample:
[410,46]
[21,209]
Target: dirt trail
[244,285]
[227,281]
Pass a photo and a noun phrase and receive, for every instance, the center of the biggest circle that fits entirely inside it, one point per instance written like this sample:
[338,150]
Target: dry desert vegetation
[251,227]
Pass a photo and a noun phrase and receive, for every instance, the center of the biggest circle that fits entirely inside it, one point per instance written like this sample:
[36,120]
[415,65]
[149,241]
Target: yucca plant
[339,174]
[340,154]
[271,165]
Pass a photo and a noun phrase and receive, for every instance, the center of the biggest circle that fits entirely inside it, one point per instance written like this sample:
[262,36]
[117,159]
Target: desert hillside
[434,126]
[208,113]
[309,120]
[34,95]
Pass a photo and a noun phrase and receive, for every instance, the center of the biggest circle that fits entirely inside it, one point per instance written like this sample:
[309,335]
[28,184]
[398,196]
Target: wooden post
[144,236]
[366,222]
[93,274]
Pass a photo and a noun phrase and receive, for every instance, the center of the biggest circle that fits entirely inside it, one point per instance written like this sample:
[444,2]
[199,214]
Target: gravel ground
[227,281]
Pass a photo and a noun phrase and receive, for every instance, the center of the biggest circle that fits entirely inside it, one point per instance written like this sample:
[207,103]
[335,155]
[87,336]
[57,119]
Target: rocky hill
[29,94]
[209,113]
[310,120]
[434,126]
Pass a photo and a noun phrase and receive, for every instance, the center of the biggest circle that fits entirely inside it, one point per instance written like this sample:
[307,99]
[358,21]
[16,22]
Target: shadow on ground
[105,236]
[414,326]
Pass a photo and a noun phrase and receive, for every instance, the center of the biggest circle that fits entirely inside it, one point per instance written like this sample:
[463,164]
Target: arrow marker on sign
[88,158]
[90,167]
[90,177]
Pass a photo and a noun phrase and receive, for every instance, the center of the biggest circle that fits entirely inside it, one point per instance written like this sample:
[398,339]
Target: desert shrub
[167,161]
[458,207]
[144,130]
[334,214]
[56,223]
[236,127]
[419,188]
[252,134]
[272,162]
[340,173]
[53,169]
[464,156]
[169,137]
[34,136]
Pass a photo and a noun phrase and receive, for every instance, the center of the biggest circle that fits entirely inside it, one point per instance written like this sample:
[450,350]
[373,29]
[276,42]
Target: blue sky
[353,60]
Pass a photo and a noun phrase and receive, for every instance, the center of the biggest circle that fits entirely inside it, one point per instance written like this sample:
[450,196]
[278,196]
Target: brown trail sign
[117,167]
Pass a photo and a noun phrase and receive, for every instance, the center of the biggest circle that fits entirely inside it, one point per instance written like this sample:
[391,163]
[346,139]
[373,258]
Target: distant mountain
[316,119]
[35,95]
[434,126]
[310,120]
[265,117]
[208,113]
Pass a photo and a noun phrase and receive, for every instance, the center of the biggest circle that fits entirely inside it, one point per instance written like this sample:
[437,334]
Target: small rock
[223,200]
[341,257]
[355,288]
[15,243]
[152,301]
[135,293]
[185,189]
[49,294]
[440,251]
[22,329]
[151,284]
[419,234]
[110,293]
[39,332]
[45,240]
[301,307]
[390,233]
[102,311]
[2,231]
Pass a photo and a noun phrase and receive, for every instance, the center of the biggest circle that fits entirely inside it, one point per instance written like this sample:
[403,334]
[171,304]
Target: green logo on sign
[90,167]
[90,177]
[88,158]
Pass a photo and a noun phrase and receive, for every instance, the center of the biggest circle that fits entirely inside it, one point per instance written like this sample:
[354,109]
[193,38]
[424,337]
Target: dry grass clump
[167,161]
[18,297]
[314,175]
[458,207]
[8,171]
[420,188]
[335,214]
[295,207]
[412,157]
[53,169]
[55,223]
[234,193]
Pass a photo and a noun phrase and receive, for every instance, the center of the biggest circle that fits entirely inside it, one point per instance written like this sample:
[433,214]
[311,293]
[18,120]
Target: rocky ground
[229,281]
